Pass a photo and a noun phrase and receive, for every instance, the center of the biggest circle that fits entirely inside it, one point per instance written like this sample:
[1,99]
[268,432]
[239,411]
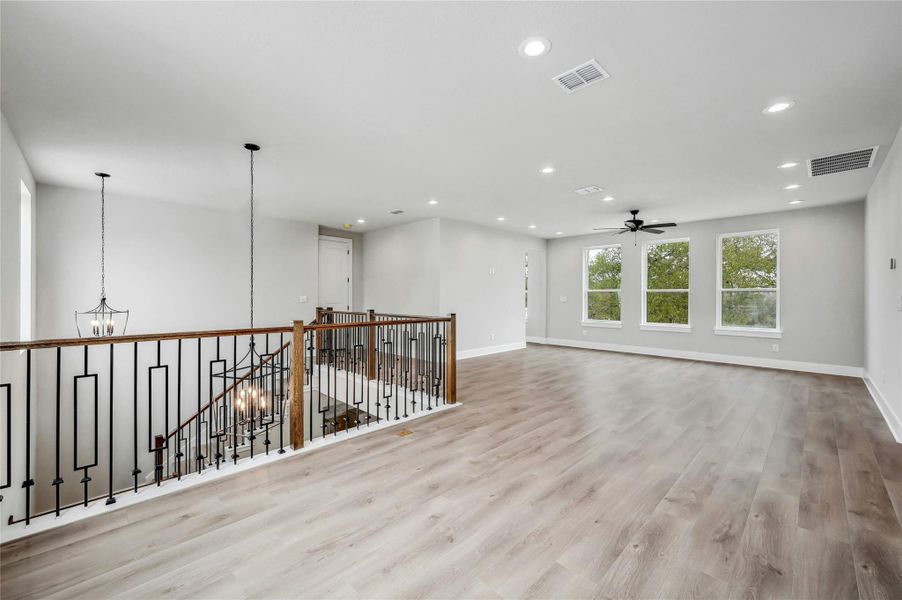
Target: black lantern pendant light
[102,320]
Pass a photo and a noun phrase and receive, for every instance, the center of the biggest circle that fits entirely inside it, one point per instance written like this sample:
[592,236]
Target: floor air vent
[844,161]
[581,77]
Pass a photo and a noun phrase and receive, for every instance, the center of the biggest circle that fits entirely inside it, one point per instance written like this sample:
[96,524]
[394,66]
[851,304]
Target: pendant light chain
[252,239]
[102,237]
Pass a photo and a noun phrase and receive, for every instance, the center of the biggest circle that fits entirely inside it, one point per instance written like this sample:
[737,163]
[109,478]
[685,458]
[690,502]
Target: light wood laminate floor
[566,474]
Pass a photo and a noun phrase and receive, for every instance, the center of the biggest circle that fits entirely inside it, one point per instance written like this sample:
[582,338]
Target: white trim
[607,324]
[718,316]
[749,332]
[350,243]
[674,327]
[584,319]
[748,361]
[534,339]
[643,322]
[124,500]
[486,350]
[889,415]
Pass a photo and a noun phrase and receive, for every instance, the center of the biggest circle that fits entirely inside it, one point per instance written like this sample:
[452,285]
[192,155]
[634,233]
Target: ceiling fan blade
[652,230]
[623,230]
[665,224]
[607,228]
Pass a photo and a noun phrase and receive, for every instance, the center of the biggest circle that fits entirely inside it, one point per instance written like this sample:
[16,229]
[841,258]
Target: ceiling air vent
[582,76]
[844,161]
[396,211]
[592,189]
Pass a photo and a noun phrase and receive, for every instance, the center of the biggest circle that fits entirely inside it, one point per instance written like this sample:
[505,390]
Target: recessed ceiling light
[499,218]
[795,201]
[534,47]
[558,233]
[656,220]
[433,201]
[361,220]
[792,186]
[788,165]
[532,226]
[547,170]
[607,199]
[779,107]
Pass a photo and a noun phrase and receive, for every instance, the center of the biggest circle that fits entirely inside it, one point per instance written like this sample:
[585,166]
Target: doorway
[334,272]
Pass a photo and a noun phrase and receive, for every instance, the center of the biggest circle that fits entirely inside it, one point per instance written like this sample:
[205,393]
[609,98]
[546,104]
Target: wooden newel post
[451,361]
[371,346]
[297,386]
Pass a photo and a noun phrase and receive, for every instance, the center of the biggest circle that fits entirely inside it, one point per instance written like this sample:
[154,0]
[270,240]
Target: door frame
[350,243]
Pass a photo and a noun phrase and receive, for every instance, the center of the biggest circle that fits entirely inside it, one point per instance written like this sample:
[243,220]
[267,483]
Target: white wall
[400,269]
[175,267]
[13,170]
[438,266]
[482,281]
[822,300]
[883,363]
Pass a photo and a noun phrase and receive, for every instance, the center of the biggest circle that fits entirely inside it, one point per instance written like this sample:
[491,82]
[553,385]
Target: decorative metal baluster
[178,411]
[135,470]
[86,479]
[234,404]
[58,481]
[29,482]
[111,499]
[199,457]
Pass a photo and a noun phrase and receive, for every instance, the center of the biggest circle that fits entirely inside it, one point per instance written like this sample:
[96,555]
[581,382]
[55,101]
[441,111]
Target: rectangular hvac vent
[592,189]
[844,161]
[581,77]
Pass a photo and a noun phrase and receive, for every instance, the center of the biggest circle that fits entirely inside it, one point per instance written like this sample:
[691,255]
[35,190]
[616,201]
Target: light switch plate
[563,298]
[303,299]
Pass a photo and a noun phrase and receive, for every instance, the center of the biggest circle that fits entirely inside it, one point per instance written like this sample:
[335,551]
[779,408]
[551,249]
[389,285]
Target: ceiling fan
[636,225]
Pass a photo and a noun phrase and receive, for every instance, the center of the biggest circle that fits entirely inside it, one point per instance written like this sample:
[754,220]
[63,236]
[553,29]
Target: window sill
[607,324]
[665,327]
[742,332]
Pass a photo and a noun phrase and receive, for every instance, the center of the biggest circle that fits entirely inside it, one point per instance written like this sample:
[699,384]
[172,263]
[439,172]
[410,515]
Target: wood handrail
[146,337]
[176,335]
[235,384]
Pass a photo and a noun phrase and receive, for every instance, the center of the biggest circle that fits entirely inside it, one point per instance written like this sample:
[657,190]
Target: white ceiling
[365,107]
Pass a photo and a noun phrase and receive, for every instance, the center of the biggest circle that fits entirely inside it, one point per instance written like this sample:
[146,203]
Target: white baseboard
[463,354]
[889,415]
[748,361]
[530,339]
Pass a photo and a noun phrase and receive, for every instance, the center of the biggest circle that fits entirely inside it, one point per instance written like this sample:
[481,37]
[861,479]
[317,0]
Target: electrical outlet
[563,298]
[585,332]
[303,299]
[775,347]
[899,303]
[491,270]
[492,337]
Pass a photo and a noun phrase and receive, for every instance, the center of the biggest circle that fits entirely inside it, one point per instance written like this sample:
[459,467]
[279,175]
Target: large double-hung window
[601,285]
[748,282]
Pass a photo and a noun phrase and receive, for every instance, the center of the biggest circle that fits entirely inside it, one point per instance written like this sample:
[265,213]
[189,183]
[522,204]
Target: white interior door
[334,287]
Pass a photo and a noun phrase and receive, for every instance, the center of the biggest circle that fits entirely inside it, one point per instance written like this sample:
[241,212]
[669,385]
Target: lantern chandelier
[256,376]
[102,320]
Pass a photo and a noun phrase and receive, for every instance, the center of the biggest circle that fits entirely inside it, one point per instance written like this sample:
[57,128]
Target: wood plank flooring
[566,474]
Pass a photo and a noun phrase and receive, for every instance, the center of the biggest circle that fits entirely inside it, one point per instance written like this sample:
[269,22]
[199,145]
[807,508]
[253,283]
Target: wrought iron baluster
[111,499]
[58,481]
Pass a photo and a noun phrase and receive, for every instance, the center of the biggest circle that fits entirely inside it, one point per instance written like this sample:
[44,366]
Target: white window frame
[719,328]
[675,327]
[586,321]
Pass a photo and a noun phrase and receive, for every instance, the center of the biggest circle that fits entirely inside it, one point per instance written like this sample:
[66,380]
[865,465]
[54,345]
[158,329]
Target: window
[25,267]
[665,285]
[748,281]
[601,285]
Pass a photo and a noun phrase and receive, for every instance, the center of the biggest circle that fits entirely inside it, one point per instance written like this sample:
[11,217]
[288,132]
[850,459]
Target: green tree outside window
[667,283]
[749,280]
[603,283]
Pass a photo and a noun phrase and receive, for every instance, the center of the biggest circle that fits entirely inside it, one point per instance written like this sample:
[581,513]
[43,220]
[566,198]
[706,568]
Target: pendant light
[102,320]
[255,377]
